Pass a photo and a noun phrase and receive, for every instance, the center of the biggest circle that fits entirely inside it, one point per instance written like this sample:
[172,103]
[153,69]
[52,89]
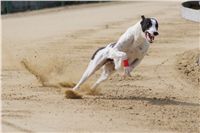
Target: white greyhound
[127,52]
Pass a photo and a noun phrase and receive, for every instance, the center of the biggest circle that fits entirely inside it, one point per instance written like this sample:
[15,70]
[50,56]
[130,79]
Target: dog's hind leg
[108,69]
[93,66]
[89,71]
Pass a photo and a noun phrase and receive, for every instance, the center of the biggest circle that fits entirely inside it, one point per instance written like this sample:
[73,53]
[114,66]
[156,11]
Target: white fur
[132,45]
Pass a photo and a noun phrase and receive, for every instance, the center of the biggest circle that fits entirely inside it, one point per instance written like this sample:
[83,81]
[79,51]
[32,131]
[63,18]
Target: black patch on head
[96,52]
[145,23]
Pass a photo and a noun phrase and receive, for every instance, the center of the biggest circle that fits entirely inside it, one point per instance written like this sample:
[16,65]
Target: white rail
[190,14]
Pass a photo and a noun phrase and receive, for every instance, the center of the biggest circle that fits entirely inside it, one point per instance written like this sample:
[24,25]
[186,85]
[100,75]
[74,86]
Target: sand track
[58,46]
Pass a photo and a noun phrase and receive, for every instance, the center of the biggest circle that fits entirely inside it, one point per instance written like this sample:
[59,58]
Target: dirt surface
[189,65]
[57,46]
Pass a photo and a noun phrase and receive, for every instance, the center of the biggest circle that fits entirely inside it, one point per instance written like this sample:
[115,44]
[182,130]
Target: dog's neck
[139,35]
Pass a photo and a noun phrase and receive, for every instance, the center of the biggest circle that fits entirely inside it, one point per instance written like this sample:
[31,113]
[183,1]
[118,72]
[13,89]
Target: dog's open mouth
[149,37]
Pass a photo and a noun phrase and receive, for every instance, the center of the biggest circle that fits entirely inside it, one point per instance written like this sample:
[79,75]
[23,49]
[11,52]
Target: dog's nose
[155,33]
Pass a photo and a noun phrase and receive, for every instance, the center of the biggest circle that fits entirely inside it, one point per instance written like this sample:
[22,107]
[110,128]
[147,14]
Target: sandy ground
[57,44]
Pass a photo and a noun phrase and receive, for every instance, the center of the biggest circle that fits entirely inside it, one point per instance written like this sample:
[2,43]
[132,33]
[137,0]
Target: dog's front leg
[118,57]
[131,66]
[134,64]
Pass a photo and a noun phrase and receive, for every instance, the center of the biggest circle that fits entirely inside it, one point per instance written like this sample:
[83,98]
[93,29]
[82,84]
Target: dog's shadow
[153,100]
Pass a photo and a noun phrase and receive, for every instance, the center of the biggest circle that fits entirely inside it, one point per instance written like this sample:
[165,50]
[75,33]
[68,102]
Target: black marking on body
[113,44]
[93,56]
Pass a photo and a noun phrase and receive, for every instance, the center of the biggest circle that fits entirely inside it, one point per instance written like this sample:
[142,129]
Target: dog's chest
[138,51]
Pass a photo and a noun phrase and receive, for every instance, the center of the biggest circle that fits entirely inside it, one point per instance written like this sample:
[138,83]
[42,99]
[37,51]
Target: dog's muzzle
[150,37]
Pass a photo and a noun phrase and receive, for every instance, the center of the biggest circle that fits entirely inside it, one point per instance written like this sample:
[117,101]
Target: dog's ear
[143,17]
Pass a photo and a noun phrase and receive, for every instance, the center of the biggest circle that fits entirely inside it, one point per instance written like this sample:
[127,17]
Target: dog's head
[149,28]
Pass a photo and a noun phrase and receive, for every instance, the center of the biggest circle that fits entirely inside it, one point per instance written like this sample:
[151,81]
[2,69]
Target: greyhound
[127,52]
